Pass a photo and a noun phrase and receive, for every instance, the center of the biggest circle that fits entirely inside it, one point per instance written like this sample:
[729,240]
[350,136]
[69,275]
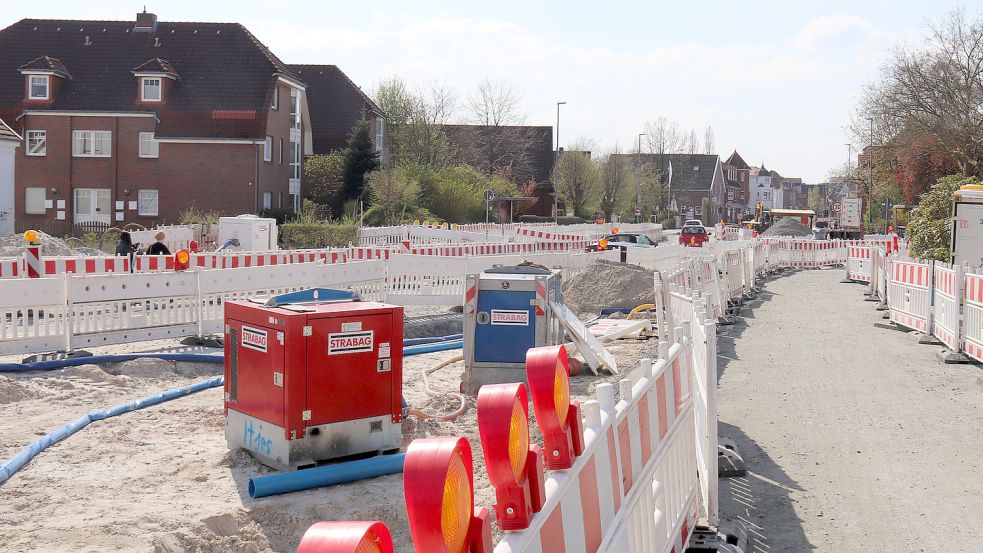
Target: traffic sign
[836,206]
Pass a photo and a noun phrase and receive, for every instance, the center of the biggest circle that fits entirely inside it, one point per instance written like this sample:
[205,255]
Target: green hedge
[562,220]
[317,235]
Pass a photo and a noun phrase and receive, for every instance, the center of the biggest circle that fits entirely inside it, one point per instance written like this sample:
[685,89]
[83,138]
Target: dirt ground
[857,438]
[162,479]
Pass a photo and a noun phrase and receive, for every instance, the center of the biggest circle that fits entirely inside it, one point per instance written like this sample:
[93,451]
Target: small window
[380,126]
[147,204]
[279,200]
[696,168]
[267,200]
[279,154]
[39,87]
[92,143]
[34,200]
[150,89]
[148,145]
[268,149]
[37,143]
[276,97]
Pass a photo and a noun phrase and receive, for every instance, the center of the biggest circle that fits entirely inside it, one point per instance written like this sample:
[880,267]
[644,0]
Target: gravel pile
[13,245]
[608,284]
[787,226]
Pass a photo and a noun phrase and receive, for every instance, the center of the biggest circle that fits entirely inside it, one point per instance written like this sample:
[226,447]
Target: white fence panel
[973,316]
[909,294]
[946,294]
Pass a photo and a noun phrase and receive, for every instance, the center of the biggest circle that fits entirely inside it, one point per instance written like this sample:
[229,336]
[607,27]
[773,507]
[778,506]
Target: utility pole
[638,179]
[870,173]
[556,165]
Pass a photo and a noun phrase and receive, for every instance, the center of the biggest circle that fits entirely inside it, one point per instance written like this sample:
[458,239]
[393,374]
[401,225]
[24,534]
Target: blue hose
[51,364]
[431,339]
[8,468]
[327,475]
[431,348]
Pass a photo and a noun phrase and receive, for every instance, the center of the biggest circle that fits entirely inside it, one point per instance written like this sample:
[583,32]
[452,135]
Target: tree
[663,137]
[815,200]
[707,211]
[495,103]
[693,144]
[652,190]
[361,158]
[935,91]
[415,122]
[709,145]
[394,192]
[616,180]
[577,180]
[929,227]
[323,181]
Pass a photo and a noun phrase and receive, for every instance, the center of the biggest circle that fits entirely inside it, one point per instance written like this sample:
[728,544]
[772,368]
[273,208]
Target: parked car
[693,236]
[612,241]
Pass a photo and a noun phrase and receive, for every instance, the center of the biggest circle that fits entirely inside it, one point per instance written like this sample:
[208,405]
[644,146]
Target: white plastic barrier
[946,293]
[176,237]
[635,487]
[731,263]
[973,315]
[909,294]
[858,263]
[658,258]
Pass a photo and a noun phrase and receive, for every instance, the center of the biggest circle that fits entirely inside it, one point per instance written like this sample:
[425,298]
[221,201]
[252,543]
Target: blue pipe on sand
[8,468]
[327,475]
[431,339]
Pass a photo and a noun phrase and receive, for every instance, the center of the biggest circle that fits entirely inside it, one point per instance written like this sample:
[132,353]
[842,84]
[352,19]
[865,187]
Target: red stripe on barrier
[624,442]
[590,506]
[551,536]
[613,463]
[644,425]
[677,387]
[660,390]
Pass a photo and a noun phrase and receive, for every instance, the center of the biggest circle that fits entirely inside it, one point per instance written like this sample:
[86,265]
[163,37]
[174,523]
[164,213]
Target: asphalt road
[856,437]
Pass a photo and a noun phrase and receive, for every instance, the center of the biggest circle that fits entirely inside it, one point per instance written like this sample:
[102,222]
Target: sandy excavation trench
[163,479]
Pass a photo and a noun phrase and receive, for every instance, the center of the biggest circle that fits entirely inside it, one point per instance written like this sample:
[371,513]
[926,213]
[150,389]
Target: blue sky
[775,80]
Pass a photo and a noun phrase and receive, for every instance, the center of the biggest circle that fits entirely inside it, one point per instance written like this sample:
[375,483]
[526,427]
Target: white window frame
[28,203]
[276,97]
[152,149]
[268,149]
[295,161]
[380,129]
[37,136]
[93,137]
[144,201]
[47,86]
[143,89]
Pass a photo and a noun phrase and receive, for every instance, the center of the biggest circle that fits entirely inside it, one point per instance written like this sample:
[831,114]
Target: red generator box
[312,376]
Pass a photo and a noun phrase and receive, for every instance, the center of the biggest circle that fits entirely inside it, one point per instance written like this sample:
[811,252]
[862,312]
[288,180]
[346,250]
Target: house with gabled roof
[136,121]
[737,175]
[336,105]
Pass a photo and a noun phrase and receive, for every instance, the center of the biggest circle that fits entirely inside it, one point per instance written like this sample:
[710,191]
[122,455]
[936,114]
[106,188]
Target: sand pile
[13,245]
[608,284]
[787,226]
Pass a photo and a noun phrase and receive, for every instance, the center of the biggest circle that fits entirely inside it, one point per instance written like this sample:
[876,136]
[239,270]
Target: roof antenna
[144,8]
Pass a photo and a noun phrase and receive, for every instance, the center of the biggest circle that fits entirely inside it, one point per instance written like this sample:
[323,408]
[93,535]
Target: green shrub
[194,216]
[930,227]
[560,220]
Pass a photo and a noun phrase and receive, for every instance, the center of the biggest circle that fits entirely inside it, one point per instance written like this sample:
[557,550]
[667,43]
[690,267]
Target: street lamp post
[556,166]
[638,178]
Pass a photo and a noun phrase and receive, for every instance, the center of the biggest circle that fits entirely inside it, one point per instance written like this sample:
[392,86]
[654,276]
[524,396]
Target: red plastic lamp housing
[182,260]
[514,467]
[347,537]
[438,485]
[547,369]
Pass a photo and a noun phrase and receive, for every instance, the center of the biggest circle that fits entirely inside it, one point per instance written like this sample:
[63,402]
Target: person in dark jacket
[158,247]
[126,245]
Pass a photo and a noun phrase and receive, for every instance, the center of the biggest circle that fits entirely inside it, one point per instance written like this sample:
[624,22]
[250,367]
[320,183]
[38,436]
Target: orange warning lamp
[602,244]
[547,369]
[514,467]
[347,537]
[438,485]
[614,230]
[32,237]
[182,260]
[193,246]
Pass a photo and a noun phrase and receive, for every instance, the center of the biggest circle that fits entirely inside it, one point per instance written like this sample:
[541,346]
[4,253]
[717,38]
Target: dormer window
[150,89]
[39,87]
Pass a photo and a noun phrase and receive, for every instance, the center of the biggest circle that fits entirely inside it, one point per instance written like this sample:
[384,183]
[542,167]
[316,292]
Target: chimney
[146,22]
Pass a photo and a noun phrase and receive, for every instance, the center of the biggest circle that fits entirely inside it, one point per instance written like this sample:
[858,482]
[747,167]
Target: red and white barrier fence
[973,316]
[946,294]
[909,294]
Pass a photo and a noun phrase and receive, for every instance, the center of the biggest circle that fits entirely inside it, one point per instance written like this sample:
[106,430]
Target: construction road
[856,437]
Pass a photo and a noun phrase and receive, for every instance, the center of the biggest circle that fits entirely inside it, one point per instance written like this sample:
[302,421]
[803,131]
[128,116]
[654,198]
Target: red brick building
[135,121]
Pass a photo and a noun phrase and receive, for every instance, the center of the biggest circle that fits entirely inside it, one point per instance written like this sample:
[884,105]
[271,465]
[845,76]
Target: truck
[966,246]
[848,223]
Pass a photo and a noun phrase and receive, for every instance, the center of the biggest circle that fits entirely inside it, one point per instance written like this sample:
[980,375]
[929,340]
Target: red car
[693,236]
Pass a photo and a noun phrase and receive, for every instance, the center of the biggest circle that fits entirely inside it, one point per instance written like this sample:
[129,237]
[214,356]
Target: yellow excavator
[756,223]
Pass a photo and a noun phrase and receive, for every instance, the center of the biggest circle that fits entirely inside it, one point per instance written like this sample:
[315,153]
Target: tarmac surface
[856,438]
